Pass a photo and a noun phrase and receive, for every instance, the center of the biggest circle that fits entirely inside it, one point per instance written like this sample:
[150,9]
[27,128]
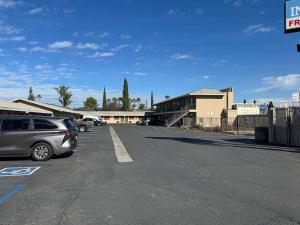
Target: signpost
[296,97]
[292,16]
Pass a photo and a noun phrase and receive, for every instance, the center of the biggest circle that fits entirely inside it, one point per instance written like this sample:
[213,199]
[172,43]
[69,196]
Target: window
[15,124]
[88,119]
[40,124]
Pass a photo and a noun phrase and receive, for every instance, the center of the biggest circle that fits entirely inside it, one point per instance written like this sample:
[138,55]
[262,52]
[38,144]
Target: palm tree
[120,100]
[138,100]
[38,98]
[64,95]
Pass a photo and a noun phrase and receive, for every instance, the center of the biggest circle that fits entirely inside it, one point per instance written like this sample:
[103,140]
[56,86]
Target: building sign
[247,109]
[296,97]
[292,16]
[283,104]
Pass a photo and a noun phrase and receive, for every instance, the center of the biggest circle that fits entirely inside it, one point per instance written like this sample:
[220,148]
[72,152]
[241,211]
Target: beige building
[54,109]
[12,108]
[203,103]
[115,117]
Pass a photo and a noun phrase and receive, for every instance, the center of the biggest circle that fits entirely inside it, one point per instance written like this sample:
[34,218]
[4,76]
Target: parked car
[83,126]
[98,121]
[146,121]
[37,137]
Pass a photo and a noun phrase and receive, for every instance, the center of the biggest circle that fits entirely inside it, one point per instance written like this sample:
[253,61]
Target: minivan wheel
[82,129]
[41,152]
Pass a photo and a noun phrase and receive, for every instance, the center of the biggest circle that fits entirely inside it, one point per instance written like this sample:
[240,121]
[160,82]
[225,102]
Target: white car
[98,120]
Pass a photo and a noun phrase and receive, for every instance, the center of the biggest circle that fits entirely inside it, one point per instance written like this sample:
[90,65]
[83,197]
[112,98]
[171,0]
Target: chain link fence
[237,125]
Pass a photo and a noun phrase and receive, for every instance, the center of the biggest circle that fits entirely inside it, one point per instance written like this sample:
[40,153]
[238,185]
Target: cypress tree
[152,102]
[104,102]
[126,102]
[31,96]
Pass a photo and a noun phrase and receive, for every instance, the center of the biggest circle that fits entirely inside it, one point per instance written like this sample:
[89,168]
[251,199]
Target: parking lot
[153,175]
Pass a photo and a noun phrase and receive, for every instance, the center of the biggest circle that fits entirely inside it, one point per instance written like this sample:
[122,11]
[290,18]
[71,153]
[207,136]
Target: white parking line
[120,150]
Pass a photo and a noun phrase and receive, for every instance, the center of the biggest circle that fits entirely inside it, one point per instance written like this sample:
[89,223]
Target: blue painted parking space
[7,191]
[18,171]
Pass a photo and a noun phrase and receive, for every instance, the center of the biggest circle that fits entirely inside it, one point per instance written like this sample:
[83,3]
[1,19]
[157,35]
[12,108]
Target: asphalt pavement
[174,176]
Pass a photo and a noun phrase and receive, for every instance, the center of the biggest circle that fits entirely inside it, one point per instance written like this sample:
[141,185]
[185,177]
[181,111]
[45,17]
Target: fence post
[271,126]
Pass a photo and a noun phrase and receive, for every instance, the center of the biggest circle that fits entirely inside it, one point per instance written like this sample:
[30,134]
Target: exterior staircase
[175,118]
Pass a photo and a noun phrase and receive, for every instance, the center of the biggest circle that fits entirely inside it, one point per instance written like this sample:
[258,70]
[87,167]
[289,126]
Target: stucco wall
[210,106]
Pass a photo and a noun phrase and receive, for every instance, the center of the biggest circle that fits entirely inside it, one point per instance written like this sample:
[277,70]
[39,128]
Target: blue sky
[168,47]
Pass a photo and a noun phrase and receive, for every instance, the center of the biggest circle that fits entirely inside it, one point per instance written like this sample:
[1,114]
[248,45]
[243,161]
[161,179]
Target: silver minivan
[36,136]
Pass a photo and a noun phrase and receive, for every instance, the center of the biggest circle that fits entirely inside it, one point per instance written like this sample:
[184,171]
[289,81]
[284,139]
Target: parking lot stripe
[14,190]
[120,150]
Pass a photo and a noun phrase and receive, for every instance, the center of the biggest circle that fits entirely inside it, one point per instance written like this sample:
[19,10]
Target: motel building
[194,108]
[12,108]
[117,117]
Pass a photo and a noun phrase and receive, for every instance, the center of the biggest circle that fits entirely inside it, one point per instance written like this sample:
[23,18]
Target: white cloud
[104,34]
[125,36]
[177,12]
[35,11]
[140,74]
[8,30]
[257,28]
[198,11]
[8,3]
[89,45]
[206,77]
[120,47]
[88,34]
[173,12]
[61,45]
[22,49]
[39,67]
[102,54]
[138,48]
[33,42]
[237,3]
[68,11]
[180,56]
[38,49]
[12,39]
[289,82]
[262,12]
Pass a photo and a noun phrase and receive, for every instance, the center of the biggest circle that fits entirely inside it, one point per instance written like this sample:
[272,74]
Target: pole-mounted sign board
[292,16]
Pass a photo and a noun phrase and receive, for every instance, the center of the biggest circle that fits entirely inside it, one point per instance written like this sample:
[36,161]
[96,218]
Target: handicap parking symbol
[18,171]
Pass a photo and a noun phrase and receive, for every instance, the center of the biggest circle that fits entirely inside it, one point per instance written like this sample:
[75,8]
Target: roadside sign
[296,97]
[18,171]
[292,16]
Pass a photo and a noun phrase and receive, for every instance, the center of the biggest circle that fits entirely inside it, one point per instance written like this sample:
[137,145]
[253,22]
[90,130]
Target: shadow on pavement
[63,156]
[235,142]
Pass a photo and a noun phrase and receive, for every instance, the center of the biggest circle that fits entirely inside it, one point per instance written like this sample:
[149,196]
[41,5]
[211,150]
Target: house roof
[200,92]
[114,113]
[20,107]
[46,105]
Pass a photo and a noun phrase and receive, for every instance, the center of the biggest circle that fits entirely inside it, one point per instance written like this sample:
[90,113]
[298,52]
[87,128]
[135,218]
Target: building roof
[200,92]
[46,105]
[113,113]
[20,107]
